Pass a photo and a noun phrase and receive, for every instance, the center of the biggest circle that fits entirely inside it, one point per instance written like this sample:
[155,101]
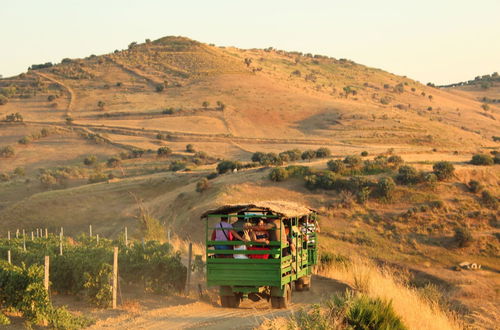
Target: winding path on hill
[195,314]
[71,92]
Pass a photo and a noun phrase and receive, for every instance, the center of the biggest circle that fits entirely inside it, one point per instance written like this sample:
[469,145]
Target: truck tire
[283,302]
[299,285]
[230,301]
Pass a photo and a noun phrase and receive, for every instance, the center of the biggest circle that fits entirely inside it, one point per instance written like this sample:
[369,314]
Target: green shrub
[4,177]
[97,286]
[308,155]
[226,166]
[3,100]
[190,148]
[364,153]
[297,171]
[98,176]
[363,195]
[212,175]
[323,152]
[489,200]
[444,170]
[463,236]
[6,152]
[336,165]
[436,204]
[113,162]
[278,174]
[202,185]
[475,186]
[160,87]
[90,160]
[407,175]
[353,161]
[385,187]
[4,320]
[481,159]
[164,152]
[395,160]
[25,140]
[290,155]
[176,165]
[372,313]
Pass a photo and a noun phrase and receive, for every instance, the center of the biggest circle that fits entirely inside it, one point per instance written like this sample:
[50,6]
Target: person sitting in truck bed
[225,233]
[260,235]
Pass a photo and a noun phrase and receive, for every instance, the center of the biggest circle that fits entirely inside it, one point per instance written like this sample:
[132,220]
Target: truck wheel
[307,281]
[224,301]
[283,302]
[230,301]
[299,285]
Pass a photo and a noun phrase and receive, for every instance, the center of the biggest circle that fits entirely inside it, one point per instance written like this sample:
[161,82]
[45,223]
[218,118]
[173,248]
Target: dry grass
[376,282]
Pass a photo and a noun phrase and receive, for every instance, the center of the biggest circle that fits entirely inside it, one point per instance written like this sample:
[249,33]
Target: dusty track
[71,92]
[193,314]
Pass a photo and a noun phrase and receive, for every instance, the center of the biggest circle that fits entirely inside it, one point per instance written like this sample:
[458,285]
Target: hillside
[94,136]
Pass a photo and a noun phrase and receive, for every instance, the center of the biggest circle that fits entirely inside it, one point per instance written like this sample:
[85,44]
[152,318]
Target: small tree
[485,107]
[226,166]
[323,152]
[164,152]
[407,175]
[6,152]
[101,105]
[278,174]
[190,148]
[463,236]
[220,105]
[336,166]
[90,160]
[205,104]
[386,187]
[160,87]
[113,162]
[364,153]
[489,200]
[443,170]
[475,186]
[177,165]
[481,159]
[202,185]
[353,161]
[51,98]
[308,155]
[19,171]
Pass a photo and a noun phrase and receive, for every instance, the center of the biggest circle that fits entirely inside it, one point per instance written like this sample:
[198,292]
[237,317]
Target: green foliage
[25,140]
[160,87]
[97,286]
[489,200]
[385,187]
[98,176]
[363,195]
[364,153]
[353,161]
[408,175]
[481,159]
[267,158]
[113,162]
[463,236]
[90,160]
[443,170]
[164,152]
[4,320]
[290,155]
[395,160]
[323,152]
[212,175]
[364,312]
[3,100]
[190,148]
[336,165]
[202,185]
[278,174]
[7,152]
[308,155]
[205,104]
[226,166]
[176,165]
[475,186]
[221,106]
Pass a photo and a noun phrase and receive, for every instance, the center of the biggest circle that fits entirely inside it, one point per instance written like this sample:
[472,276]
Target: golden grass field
[280,101]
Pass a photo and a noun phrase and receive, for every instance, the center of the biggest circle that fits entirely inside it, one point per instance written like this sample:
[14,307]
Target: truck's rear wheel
[283,302]
[230,301]
[299,284]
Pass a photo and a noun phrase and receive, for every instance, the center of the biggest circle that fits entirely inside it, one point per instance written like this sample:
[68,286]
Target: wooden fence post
[8,235]
[46,275]
[32,236]
[24,243]
[188,278]
[115,275]
[9,260]
[126,237]
[46,233]
[168,236]
[90,230]
[60,248]
[17,233]
[97,237]
[61,233]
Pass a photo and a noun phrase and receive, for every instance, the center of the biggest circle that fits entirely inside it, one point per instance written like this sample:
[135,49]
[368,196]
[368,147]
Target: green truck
[265,270]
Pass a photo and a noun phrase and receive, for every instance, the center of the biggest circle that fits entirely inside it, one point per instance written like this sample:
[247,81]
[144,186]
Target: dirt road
[185,313]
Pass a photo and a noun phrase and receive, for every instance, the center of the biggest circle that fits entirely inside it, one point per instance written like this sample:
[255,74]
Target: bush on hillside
[463,236]
[353,161]
[395,161]
[202,185]
[190,148]
[385,187]
[3,100]
[407,175]
[444,170]
[212,175]
[6,152]
[164,152]
[308,155]
[278,174]
[113,162]
[176,165]
[364,153]
[160,87]
[489,200]
[290,155]
[475,186]
[90,160]
[226,166]
[481,159]
[323,152]
[336,166]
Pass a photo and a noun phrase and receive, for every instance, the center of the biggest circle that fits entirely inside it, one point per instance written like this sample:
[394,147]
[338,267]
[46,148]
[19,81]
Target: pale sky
[440,41]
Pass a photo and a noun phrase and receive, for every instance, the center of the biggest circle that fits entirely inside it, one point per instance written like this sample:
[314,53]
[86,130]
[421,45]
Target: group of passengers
[263,231]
